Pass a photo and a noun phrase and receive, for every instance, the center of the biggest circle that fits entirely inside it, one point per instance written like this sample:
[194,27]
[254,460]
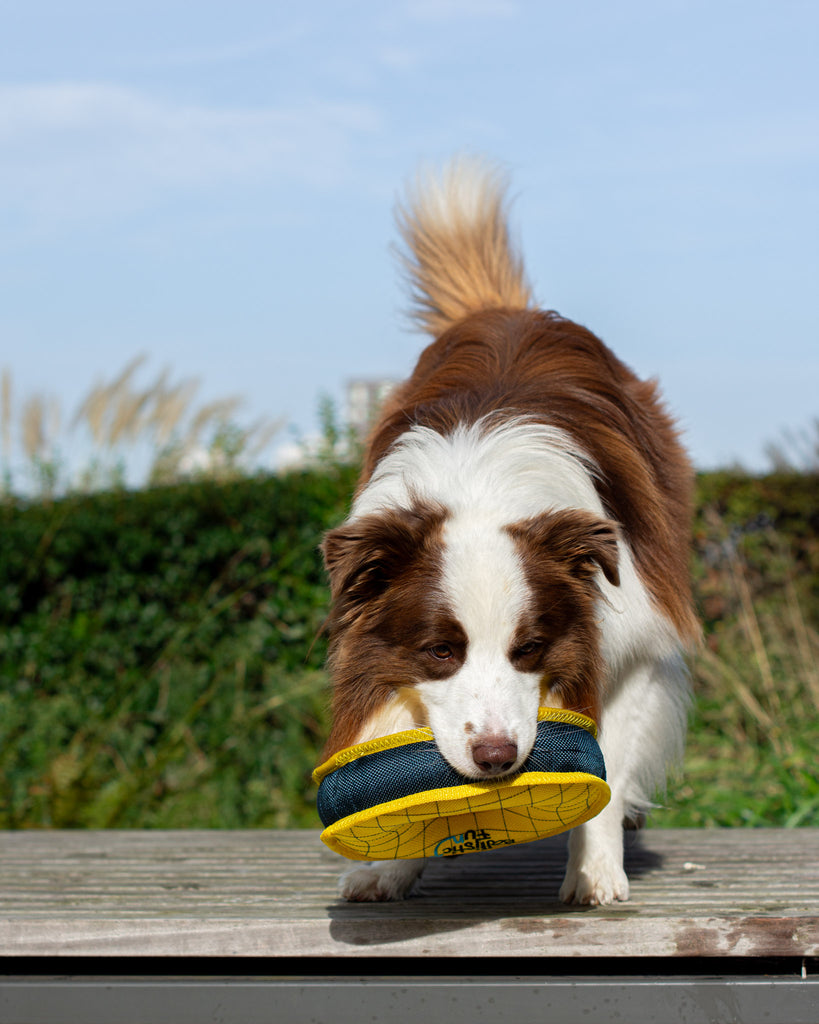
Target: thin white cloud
[73,150]
[399,58]
[229,52]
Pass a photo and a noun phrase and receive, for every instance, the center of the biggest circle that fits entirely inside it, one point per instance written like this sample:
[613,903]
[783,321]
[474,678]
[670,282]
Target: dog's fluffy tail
[459,256]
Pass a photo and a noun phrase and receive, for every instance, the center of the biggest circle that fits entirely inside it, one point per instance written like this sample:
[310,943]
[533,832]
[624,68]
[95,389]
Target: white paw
[594,884]
[385,880]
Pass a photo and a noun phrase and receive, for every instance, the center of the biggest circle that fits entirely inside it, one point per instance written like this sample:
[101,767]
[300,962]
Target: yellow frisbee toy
[396,797]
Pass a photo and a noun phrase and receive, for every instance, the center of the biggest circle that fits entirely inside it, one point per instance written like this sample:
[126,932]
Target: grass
[161,423]
[751,757]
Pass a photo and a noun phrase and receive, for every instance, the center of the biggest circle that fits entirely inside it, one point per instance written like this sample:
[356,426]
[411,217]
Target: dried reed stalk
[5,415]
[169,408]
[807,642]
[118,412]
[33,427]
[750,625]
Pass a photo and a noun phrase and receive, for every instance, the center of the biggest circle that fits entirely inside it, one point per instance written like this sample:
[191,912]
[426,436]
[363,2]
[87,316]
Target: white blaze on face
[486,589]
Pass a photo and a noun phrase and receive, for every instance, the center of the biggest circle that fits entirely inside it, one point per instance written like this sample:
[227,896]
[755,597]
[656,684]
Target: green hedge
[160,663]
[770,525]
[158,654]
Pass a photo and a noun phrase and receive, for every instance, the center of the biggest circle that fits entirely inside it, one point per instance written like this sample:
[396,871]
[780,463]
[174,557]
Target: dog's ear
[578,538]
[365,555]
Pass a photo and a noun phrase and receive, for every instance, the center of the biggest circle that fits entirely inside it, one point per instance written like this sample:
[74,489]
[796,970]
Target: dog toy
[396,797]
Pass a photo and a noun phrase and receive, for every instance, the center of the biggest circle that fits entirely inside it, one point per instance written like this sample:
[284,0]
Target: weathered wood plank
[694,893]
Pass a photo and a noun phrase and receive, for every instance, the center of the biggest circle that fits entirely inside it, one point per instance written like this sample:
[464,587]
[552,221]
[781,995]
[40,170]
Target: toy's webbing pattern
[453,823]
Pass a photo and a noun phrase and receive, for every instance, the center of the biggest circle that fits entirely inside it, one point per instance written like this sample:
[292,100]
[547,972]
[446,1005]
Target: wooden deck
[725,894]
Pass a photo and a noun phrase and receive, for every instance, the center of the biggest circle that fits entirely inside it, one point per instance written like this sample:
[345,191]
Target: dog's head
[466,626]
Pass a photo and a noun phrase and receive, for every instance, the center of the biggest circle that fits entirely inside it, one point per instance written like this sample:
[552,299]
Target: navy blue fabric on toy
[387,775]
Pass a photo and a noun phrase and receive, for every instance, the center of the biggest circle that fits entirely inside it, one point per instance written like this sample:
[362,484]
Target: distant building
[364,399]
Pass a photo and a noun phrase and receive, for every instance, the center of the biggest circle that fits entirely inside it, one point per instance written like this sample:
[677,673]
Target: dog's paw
[594,885]
[374,883]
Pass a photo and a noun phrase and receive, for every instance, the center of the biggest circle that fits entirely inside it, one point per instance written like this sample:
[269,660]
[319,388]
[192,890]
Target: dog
[519,537]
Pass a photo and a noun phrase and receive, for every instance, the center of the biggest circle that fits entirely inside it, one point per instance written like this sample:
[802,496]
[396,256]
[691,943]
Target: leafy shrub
[158,660]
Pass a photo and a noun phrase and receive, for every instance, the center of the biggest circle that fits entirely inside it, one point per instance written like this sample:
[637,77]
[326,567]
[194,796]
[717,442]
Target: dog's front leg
[642,730]
[595,874]
[374,881]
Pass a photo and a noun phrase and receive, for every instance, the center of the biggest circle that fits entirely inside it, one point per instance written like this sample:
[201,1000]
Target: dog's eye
[441,652]
[528,648]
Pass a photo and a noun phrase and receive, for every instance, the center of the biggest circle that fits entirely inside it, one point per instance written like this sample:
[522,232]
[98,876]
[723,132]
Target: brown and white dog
[519,537]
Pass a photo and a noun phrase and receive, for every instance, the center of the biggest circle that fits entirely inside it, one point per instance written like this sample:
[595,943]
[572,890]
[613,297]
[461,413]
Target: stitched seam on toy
[570,717]
[399,739]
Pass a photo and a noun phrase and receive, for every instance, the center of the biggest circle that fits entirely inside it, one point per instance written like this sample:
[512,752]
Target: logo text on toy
[469,842]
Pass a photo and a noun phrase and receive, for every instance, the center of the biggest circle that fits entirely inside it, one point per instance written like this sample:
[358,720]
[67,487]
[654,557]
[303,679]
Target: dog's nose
[494,755]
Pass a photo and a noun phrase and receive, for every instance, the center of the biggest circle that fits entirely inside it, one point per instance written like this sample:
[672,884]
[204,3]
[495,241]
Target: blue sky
[212,184]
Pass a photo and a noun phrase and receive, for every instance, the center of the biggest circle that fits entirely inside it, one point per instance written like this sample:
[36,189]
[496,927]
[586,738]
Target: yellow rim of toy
[400,739]
[470,818]
[465,817]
